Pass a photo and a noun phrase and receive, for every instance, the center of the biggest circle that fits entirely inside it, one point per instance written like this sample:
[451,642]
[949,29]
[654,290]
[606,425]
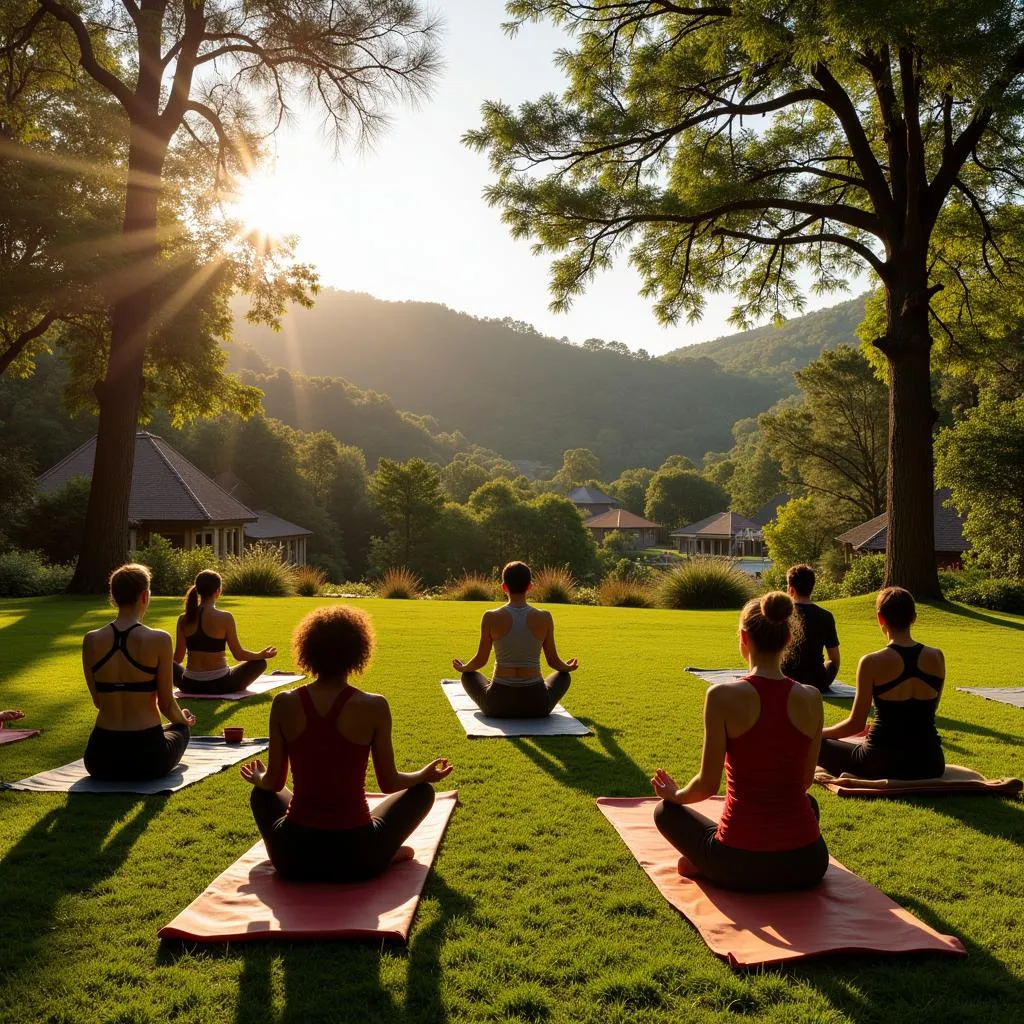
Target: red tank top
[328,771]
[766,805]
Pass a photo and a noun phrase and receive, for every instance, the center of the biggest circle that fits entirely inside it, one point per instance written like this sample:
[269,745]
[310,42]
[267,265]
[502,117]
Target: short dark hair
[801,578]
[128,583]
[517,577]
[896,607]
[333,640]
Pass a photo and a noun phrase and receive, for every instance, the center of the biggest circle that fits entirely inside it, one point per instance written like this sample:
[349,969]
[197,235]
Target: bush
[399,584]
[614,593]
[998,595]
[350,589]
[173,569]
[585,595]
[259,572]
[865,575]
[471,587]
[309,580]
[27,574]
[705,582]
[553,585]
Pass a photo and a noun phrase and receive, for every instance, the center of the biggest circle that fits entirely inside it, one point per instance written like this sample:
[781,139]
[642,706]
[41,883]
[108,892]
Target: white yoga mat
[730,675]
[1012,695]
[477,724]
[264,683]
[206,755]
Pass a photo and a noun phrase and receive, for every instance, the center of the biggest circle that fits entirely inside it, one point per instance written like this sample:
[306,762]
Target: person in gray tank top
[518,633]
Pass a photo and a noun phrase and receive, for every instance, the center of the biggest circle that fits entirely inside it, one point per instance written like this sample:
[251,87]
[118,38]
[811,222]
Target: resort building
[592,501]
[271,529]
[642,532]
[724,533]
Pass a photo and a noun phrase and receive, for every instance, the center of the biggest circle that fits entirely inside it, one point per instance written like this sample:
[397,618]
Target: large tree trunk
[910,552]
[119,394]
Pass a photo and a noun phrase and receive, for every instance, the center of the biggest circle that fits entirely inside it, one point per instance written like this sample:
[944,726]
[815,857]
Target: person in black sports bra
[204,632]
[128,671]
[904,680]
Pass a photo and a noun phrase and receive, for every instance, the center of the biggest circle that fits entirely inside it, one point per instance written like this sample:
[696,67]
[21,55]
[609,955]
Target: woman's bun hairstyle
[768,621]
[776,606]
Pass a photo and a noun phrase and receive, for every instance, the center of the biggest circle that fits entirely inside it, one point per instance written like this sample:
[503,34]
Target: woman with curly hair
[323,828]
[765,729]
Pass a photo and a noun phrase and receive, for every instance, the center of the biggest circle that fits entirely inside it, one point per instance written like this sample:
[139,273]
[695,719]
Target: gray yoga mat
[270,681]
[206,755]
[730,675]
[477,724]
[1012,695]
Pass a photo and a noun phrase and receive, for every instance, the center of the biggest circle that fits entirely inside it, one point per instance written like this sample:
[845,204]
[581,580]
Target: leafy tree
[835,443]
[879,129]
[578,466]
[981,460]
[678,462]
[319,459]
[409,497]
[756,476]
[510,525]
[54,523]
[17,492]
[561,538]
[630,489]
[191,77]
[469,470]
[801,532]
[719,468]
[676,497]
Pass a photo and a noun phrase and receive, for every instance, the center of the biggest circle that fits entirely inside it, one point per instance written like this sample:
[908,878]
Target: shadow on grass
[942,723]
[68,852]
[978,614]
[574,762]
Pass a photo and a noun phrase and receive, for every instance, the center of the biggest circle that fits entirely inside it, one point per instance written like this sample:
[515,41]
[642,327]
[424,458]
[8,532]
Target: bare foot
[686,869]
[403,853]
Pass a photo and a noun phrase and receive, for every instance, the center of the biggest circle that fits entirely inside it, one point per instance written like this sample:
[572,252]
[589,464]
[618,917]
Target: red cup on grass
[233,734]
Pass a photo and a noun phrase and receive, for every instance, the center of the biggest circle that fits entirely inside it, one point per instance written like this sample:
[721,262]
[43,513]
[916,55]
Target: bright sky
[407,220]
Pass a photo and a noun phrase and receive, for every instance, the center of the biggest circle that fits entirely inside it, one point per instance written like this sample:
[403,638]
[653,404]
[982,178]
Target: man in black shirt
[804,661]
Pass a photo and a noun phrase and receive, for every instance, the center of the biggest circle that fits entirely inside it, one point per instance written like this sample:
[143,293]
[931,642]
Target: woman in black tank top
[904,682]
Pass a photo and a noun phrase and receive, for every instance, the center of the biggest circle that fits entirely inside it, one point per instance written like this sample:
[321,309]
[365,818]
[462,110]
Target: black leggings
[875,761]
[131,756]
[500,700]
[303,854]
[693,835]
[238,677]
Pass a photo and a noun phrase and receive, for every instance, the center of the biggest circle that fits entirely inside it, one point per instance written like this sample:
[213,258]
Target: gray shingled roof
[768,512]
[591,496]
[271,527]
[166,487]
[872,535]
[721,524]
[620,519]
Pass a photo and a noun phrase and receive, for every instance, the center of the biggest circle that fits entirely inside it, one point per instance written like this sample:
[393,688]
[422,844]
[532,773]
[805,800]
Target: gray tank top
[518,648]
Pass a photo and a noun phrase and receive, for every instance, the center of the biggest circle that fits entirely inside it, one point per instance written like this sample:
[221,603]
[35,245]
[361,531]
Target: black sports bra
[910,657]
[121,644]
[202,641]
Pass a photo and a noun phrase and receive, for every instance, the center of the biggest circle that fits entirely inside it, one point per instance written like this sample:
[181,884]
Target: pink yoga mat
[248,901]
[955,780]
[14,735]
[844,914]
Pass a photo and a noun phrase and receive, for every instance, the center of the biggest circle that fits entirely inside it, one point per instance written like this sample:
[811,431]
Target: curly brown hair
[335,640]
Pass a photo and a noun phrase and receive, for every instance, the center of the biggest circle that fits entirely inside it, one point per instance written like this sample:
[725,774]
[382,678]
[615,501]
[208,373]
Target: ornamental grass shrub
[28,574]
[259,571]
[309,580]
[472,586]
[705,583]
[399,584]
[554,584]
[624,594]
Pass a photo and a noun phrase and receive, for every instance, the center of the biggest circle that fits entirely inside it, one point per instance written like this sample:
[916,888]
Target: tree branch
[20,343]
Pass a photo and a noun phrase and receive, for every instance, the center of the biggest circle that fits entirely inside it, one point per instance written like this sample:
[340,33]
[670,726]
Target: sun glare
[268,204]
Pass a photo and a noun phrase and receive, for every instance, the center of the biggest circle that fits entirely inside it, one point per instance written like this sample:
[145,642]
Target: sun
[267,203]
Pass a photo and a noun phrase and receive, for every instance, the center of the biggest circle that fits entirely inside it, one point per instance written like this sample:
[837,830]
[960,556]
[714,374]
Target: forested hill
[778,351]
[508,388]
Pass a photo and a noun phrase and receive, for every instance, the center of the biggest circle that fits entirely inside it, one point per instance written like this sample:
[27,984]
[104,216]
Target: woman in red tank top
[323,830]
[765,729]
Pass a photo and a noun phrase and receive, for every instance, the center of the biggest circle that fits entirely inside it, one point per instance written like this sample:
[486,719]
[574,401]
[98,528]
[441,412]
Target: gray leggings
[238,677]
[499,700]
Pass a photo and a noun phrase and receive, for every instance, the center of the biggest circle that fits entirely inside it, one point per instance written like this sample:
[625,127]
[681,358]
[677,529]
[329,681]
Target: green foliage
[704,583]
[408,496]
[579,466]
[553,584]
[865,575]
[28,574]
[399,584]
[259,571]
[559,536]
[630,489]
[1000,595]
[624,593]
[173,569]
[754,476]
[55,523]
[803,530]
[309,580]
[472,587]
[677,497]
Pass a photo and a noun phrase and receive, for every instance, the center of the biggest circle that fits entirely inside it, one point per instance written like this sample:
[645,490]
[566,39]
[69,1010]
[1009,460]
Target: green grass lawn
[535,911]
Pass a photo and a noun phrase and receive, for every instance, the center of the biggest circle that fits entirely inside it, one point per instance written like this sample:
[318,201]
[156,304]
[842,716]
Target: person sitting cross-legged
[128,671]
[765,729]
[323,830]
[518,633]
[904,681]
[204,631]
[815,630]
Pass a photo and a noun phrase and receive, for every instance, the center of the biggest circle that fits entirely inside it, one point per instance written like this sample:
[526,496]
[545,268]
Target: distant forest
[502,385]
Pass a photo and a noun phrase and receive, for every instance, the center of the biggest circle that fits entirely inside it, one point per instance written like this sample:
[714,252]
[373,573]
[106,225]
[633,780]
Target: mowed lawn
[535,911]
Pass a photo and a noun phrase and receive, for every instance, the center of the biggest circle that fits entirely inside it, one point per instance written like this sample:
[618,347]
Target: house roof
[768,512]
[591,496]
[271,527]
[721,524]
[872,535]
[620,519]
[166,487]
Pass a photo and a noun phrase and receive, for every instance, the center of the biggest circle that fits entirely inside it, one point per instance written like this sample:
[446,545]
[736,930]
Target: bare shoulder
[932,656]
[721,695]
[810,695]
[155,636]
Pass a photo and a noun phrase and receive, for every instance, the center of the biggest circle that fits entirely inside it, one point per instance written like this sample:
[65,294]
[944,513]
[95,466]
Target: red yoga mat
[844,914]
[14,735]
[249,901]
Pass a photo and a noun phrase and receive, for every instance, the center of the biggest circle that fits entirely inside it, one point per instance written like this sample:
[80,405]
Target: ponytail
[206,585]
